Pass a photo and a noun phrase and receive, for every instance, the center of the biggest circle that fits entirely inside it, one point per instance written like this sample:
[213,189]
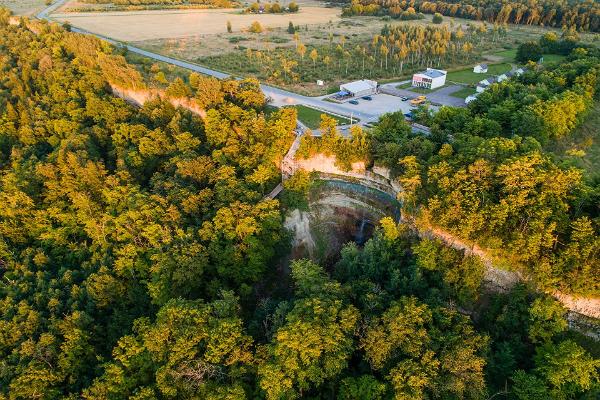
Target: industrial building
[430,79]
[364,87]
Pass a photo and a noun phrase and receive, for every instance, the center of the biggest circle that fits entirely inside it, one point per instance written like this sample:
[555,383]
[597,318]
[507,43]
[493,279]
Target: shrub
[256,27]
[528,51]
[293,6]
[437,18]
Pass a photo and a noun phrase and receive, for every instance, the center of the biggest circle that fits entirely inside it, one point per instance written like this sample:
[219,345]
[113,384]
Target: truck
[418,100]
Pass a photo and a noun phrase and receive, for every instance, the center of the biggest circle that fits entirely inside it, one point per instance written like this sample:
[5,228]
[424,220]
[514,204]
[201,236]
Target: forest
[582,14]
[139,258]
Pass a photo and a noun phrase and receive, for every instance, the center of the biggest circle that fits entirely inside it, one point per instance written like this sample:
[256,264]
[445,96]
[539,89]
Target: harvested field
[23,7]
[147,25]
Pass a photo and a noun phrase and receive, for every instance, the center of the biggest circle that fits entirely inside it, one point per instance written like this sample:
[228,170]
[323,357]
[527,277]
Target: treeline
[390,53]
[272,8]
[218,3]
[581,14]
[482,174]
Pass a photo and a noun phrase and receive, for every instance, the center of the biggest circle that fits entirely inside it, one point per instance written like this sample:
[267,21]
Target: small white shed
[480,69]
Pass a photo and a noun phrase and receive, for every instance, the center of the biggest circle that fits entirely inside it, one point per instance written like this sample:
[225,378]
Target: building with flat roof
[430,79]
[364,87]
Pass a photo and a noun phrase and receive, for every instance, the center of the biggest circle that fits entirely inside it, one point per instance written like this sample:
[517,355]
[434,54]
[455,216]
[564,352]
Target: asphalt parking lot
[380,104]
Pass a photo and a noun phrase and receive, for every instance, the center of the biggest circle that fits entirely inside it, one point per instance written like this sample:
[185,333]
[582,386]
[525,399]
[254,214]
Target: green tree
[528,51]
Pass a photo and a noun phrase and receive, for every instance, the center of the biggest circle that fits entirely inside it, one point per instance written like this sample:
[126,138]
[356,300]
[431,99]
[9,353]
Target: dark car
[408,116]
[369,98]
[403,98]
[353,102]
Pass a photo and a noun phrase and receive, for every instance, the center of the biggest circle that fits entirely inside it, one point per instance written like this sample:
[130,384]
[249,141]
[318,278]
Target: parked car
[418,100]
[408,116]
[353,102]
[368,98]
[403,98]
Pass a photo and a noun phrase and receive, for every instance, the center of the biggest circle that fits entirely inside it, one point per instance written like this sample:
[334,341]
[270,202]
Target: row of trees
[273,8]
[390,53]
[581,14]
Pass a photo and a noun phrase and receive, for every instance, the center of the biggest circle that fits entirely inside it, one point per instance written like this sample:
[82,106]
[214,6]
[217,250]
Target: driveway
[440,96]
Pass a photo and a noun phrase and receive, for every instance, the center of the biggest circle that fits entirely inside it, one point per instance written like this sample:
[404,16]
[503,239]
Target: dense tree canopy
[581,14]
[483,175]
[139,258]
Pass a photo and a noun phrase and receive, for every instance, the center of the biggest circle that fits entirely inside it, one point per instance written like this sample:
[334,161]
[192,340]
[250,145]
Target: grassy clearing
[553,58]
[507,55]
[464,93]
[582,148]
[312,117]
[469,77]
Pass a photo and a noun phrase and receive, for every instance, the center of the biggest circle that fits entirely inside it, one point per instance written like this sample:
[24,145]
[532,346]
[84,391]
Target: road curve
[279,95]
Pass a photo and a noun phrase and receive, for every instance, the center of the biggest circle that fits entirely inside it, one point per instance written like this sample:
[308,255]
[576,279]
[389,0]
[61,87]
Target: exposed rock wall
[139,97]
[494,278]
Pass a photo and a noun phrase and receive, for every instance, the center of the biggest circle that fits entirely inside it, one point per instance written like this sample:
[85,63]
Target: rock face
[139,97]
[339,212]
[334,206]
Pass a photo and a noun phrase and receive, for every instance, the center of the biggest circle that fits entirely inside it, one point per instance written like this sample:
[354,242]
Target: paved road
[279,96]
[439,96]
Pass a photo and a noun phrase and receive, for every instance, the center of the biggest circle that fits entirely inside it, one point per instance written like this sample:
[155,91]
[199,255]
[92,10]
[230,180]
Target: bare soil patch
[23,7]
[148,25]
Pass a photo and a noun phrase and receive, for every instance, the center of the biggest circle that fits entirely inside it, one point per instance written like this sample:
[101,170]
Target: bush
[437,18]
[276,8]
[528,51]
[256,27]
[293,6]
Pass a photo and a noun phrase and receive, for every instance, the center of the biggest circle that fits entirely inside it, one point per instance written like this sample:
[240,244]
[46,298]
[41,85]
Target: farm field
[80,6]
[23,7]
[159,24]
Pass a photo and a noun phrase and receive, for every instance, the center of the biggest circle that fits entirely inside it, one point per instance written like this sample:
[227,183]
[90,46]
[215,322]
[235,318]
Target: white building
[360,88]
[480,69]
[470,98]
[502,77]
[430,79]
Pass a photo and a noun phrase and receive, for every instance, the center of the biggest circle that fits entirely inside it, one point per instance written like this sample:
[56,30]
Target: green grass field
[553,57]
[464,93]
[469,77]
[509,56]
[312,118]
